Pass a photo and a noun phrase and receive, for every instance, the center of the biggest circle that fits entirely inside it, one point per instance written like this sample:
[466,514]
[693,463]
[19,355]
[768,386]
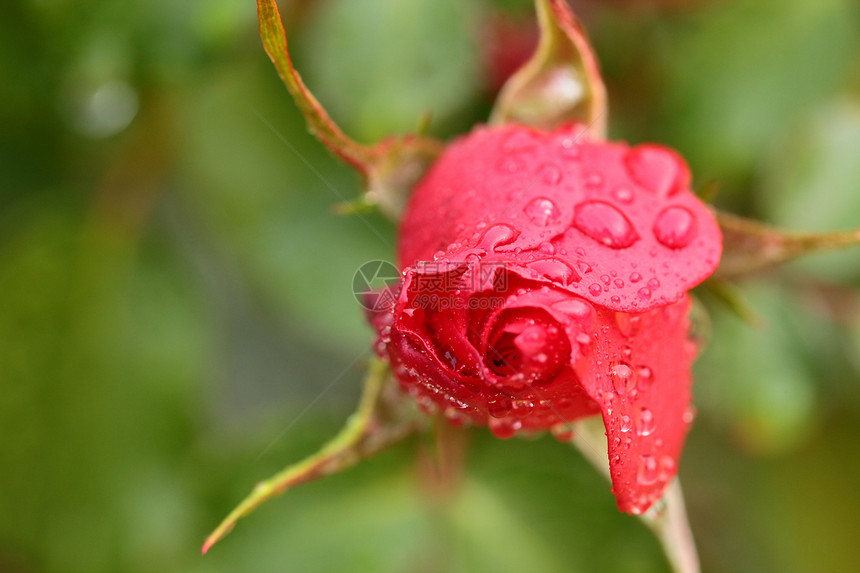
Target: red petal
[619,225]
[643,390]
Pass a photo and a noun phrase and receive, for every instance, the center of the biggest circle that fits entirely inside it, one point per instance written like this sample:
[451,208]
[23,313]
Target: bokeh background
[176,315]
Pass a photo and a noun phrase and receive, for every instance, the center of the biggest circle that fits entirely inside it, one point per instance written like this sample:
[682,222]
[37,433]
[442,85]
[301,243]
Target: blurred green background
[177,318]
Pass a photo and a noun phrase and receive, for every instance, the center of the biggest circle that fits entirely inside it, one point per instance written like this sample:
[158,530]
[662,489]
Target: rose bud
[545,280]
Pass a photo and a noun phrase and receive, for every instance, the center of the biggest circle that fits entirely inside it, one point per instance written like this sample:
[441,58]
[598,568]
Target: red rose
[545,280]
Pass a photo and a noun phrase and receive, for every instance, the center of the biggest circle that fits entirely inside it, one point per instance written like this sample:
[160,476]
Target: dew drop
[542,211]
[675,227]
[555,270]
[657,169]
[645,293]
[654,283]
[648,473]
[623,195]
[605,224]
[504,428]
[593,180]
[595,289]
[571,150]
[497,236]
[574,307]
[562,432]
[584,340]
[646,376]
[623,378]
[618,283]
[510,165]
[523,408]
[667,468]
[689,415]
[427,405]
[583,267]
[626,424]
[455,417]
[615,299]
[520,140]
[499,406]
[551,174]
[628,324]
[647,424]
[547,248]
[635,277]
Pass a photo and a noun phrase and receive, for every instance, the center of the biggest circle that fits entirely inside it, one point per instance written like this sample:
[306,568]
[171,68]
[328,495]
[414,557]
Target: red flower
[545,280]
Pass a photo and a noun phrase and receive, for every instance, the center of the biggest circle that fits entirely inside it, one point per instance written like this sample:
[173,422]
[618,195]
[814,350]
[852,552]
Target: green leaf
[739,73]
[756,382]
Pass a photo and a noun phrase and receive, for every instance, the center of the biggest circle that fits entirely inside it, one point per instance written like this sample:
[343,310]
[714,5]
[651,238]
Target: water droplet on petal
[497,236]
[654,283]
[635,277]
[542,211]
[555,270]
[667,468]
[675,227]
[562,432]
[523,408]
[499,406]
[689,415]
[647,424]
[645,293]
[574,307]
[510,165]
[427,405]
[626,424]
[628,324]
[605,224]
[595,289]
[657,169]
[623,378]
[623,195]
[593,180]
[550,174]
[648,473]
[504,428]
[571,150]
[646,376]
[455,417]
[584,341]
[520,140]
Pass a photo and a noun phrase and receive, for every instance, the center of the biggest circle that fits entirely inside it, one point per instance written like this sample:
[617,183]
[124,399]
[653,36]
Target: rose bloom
[545,280]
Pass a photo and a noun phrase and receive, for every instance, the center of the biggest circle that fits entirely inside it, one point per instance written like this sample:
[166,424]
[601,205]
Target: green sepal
[750,246]
[384,416]
[561,83]
[390,168]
